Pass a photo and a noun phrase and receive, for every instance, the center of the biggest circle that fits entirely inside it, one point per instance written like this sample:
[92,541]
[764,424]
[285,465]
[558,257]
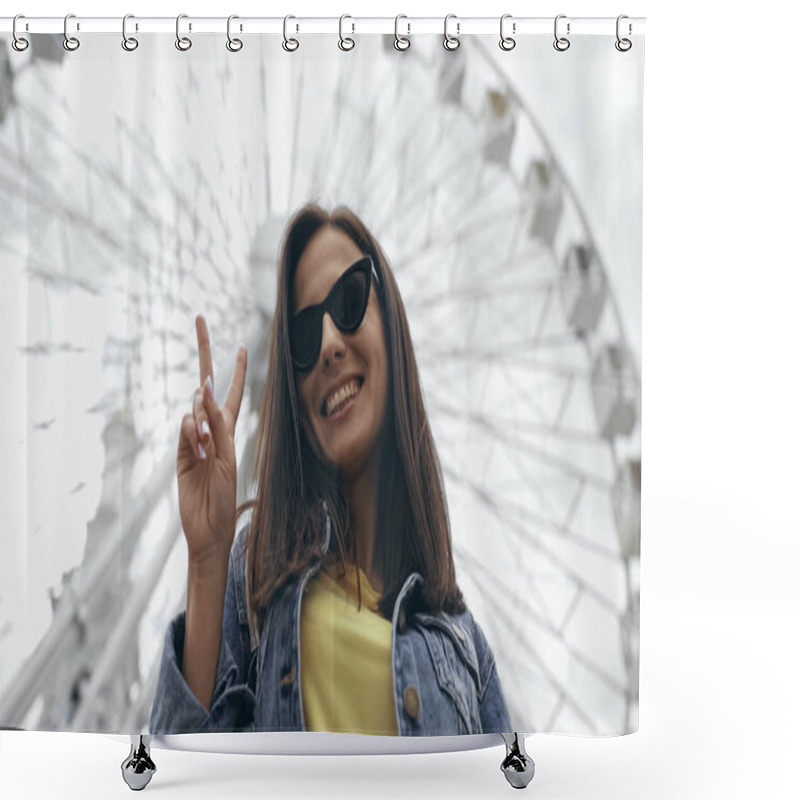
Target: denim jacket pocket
[455,666]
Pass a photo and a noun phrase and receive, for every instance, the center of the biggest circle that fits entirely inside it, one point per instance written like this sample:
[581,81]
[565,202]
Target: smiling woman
[346,564]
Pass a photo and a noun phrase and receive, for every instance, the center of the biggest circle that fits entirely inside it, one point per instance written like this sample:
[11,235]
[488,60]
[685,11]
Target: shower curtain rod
[460,26]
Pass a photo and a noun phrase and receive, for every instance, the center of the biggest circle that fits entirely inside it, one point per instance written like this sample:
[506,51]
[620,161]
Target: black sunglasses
[346,303]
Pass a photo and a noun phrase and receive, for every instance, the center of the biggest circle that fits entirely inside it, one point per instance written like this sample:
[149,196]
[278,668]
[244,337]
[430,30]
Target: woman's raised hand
[207,461]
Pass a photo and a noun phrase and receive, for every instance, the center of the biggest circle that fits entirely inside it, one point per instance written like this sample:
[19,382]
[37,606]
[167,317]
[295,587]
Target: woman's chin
[348,458]
[346,463]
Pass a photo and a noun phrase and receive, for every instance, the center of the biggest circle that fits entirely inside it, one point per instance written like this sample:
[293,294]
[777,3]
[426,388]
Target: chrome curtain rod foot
[517,766]
[138,768]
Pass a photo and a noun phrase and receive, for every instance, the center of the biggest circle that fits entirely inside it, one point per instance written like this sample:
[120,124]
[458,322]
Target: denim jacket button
[411,701]
[288,678]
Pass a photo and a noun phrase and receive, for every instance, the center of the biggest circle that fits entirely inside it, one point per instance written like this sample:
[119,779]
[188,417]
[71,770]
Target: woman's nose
[332,339]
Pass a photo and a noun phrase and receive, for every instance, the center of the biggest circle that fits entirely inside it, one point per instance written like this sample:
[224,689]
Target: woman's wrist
[209,566]
[205,601]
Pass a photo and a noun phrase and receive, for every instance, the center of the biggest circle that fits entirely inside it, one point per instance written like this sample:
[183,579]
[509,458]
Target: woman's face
[347,438]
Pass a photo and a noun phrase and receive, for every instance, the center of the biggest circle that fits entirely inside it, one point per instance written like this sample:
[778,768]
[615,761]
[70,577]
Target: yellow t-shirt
[345,657]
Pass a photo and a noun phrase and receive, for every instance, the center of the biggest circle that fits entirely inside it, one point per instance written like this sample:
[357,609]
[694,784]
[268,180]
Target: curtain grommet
[70,42]
[183,43]
[451,42]
[233,44]
[346,43]
[561,43]
[623,45]
[289,44]
[507,42]
[401,42]
[129,43]
[19,43]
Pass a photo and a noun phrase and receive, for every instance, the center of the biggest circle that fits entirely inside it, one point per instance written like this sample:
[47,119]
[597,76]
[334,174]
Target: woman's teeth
[340,397]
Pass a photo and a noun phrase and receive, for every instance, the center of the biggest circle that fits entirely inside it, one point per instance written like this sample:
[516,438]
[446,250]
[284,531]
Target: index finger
[233,401]
[204,349]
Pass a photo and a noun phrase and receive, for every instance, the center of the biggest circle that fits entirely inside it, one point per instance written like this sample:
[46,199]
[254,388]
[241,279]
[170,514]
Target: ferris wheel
[530,383]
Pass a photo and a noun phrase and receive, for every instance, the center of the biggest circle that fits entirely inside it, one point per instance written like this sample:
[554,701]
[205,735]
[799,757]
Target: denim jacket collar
[409,584]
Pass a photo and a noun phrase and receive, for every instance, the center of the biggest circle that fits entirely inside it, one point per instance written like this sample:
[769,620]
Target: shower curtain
[143,187]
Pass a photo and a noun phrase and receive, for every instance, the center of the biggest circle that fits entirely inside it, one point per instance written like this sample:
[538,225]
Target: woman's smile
[340,403]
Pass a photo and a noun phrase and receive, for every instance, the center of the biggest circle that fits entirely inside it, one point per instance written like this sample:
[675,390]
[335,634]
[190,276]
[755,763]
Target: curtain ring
[561,43]
[70,42]
[401,42]
[129,43]
[506,42]
[234,45]
[289,45]
[181,42]
[19,43]
[345,42]
[623,45]
[450,42]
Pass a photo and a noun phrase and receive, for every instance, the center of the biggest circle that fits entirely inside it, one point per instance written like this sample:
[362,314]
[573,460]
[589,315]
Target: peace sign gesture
[207,461]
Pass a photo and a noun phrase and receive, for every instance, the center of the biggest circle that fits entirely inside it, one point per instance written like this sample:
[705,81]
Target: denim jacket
[443,670]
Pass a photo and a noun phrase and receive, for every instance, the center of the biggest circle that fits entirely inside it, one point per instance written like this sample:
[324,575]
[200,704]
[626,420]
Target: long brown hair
[287,530]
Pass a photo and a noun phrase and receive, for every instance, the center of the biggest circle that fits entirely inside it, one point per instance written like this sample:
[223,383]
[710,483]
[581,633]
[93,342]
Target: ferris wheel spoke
[297,91]
[51,204]
[511,350]
[500,429]
[361,122]
[410,201]
[470,293]
[472,203]
[504,308]
[186,203]
[505,507]
[530,660]
[542,457]
[514,239]
[514,454]
[467,230]
[481,423]
[325,153]
[421,119]
[112,181]
[546,523]
[513,599]
[346,176]
[411,128]
[537,335]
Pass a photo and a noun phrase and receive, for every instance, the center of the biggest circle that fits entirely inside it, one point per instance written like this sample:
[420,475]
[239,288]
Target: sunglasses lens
[304,339]
[350,301]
